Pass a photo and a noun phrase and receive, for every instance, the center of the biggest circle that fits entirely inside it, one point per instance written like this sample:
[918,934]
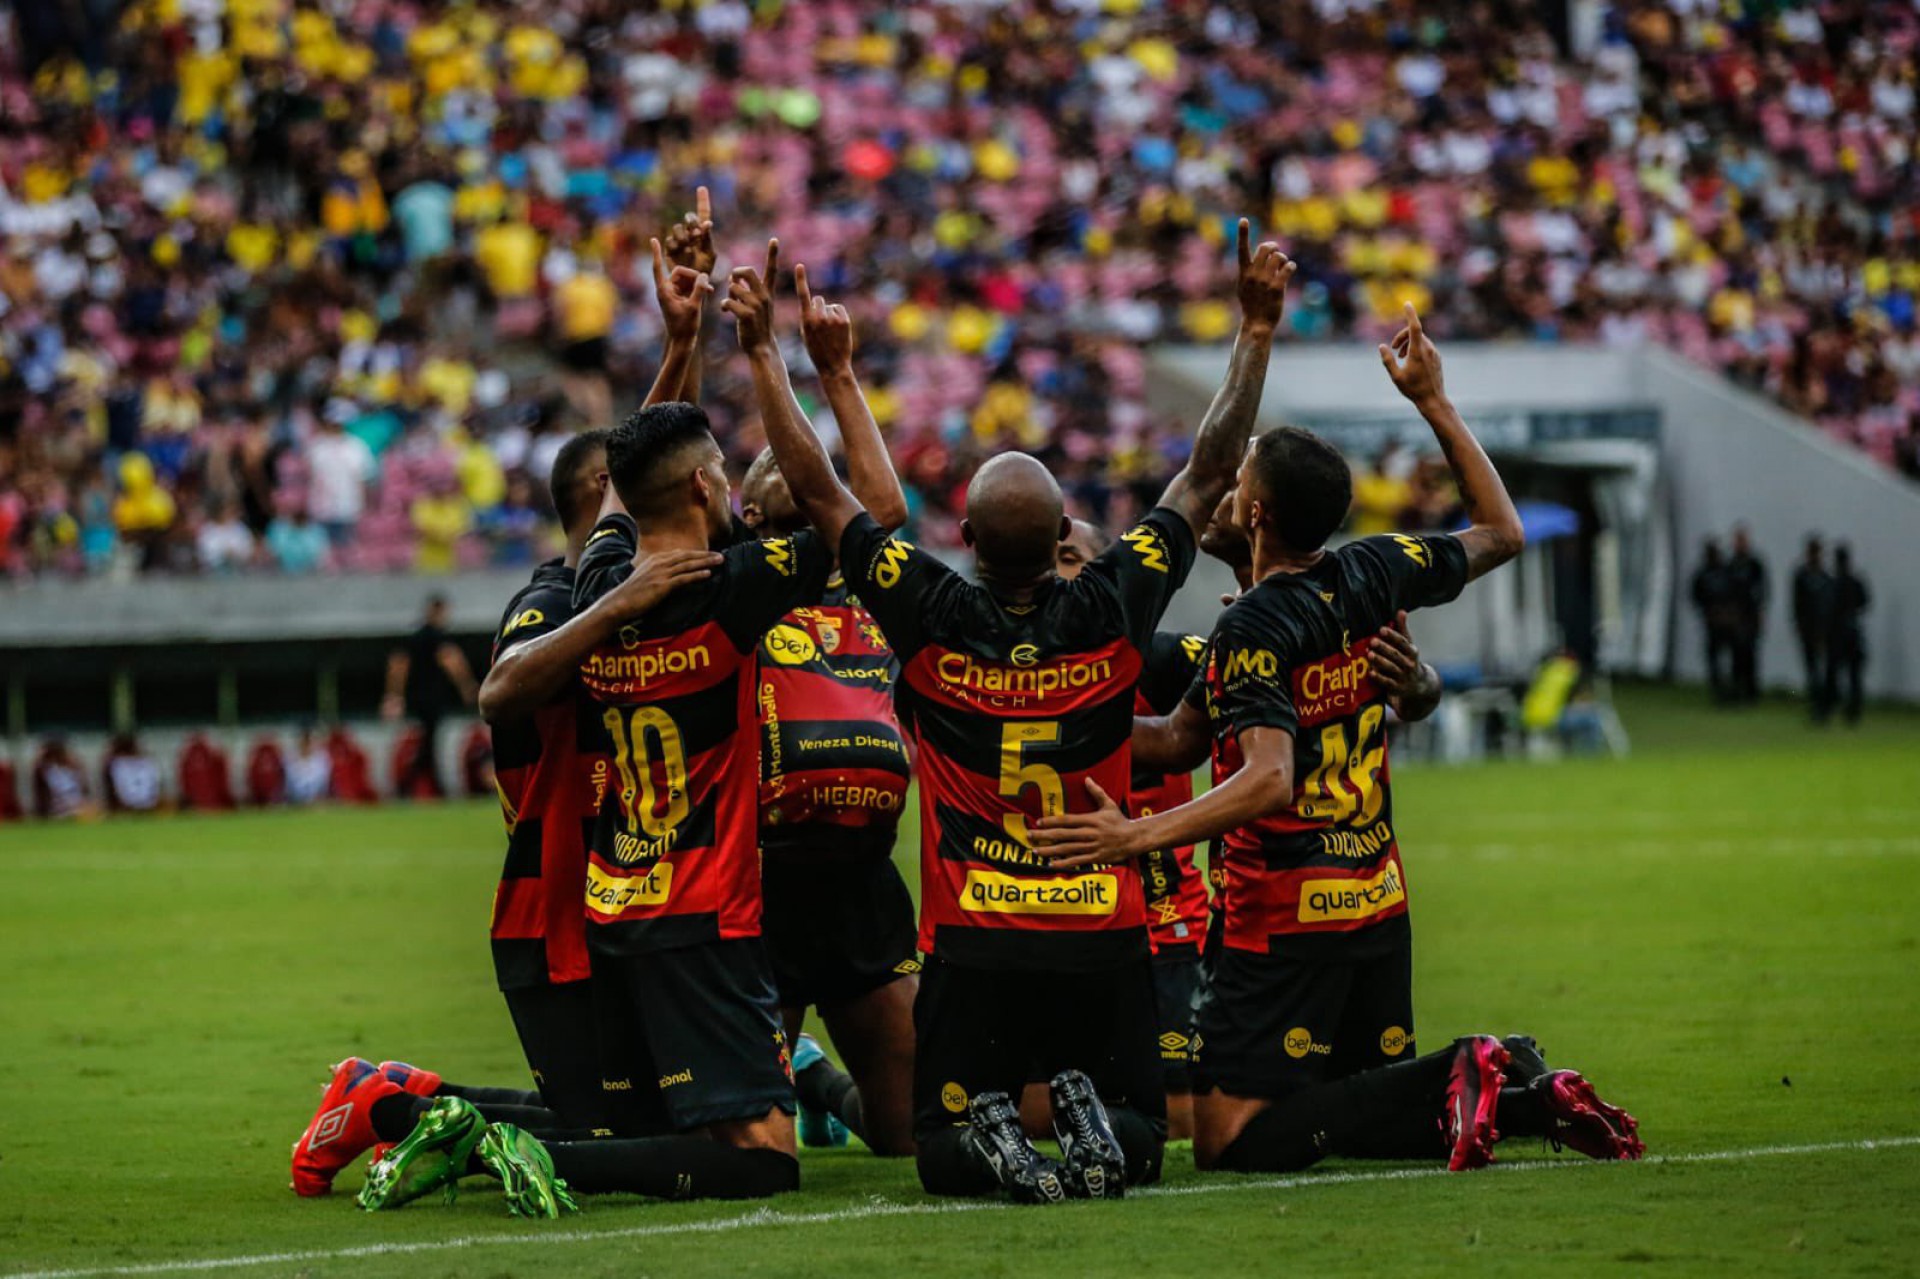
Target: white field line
[867,1212]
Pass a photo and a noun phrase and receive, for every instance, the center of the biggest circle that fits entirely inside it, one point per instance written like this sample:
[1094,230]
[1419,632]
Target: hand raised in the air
[1264,273]
[825,327]
[750,301]
[1413,362]
[683,296]
[1085,839]
[656,576]
[690,240]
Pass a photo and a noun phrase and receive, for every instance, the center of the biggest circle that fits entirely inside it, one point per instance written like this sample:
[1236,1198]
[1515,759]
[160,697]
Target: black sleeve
[761,582]
[1173,659]
[1147,565]
[895,580]
[607,561]
[1255,676]
[540,608]
[1415,571]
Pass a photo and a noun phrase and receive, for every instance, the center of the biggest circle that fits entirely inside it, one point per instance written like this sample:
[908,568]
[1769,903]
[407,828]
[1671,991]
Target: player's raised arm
[1495,535]
[1222,439]
[1413,686]
[683,296]
[827,330]
[818,492]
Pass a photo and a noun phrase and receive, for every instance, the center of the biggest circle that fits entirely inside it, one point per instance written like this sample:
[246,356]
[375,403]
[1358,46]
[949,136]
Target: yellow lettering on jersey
[1194,646]
[1147,543]
[643,667]
[891,563]
[1248,663]
[1326,900]
[1416,549]
[991,892]
[608,895]
[780,555]
[532,617]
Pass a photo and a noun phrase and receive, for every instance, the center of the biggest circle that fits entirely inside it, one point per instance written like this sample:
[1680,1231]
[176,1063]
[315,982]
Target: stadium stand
[302,288]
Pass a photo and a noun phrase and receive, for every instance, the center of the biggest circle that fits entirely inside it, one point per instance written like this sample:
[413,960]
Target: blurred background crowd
[324,285]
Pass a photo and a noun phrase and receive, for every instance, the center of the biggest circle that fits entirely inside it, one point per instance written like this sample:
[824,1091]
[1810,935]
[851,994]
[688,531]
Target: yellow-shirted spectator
[440,519]
[449,382]
[584,306]
[509,254]
[253,246]
[481,478]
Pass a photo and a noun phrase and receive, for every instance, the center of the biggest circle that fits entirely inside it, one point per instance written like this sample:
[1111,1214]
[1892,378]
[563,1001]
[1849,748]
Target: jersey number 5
[1017,773]
[639,789]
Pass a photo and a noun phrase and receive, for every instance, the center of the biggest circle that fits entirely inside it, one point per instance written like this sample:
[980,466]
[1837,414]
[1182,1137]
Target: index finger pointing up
[703,204]
[773,261]
[800,283]
[1246,244]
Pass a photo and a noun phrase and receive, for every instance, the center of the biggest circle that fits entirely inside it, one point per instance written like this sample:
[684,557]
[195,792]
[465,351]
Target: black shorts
[690,1037]
[1176,983]
[835,930]
[558,1033]
[1270,1025]
[986,1030]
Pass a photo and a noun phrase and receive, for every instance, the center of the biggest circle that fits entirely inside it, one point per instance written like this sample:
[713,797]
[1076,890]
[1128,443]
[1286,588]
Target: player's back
[551,770]
[1292,654]
[1013,709]
[673,859]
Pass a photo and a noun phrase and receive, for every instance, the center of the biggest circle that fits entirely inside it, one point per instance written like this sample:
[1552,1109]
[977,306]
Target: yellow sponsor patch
[531,617]
[953,1097]
[608,895]
[790,646]
[1326,900]
[995,893]
[1299,1042]
[1394,1041]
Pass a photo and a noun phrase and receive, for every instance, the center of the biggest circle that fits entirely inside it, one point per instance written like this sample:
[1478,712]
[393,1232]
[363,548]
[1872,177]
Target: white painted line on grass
[866,1212]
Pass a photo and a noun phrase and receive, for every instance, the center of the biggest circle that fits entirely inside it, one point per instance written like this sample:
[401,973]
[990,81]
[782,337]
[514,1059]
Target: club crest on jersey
[1147,542]
[828,628]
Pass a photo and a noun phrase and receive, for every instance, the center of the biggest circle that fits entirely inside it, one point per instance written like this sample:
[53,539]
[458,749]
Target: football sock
[1142,1142]
[948,1165]
[824,1086]
[491,1096]
[1388,1113]
[395,1116]
[674,1167]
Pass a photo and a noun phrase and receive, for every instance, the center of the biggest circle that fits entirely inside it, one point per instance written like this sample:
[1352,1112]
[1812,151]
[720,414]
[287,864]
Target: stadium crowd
[327,286]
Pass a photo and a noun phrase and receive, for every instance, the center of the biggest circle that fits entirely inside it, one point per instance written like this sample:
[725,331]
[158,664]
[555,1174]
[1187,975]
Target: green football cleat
[434,1154]
[526,1173]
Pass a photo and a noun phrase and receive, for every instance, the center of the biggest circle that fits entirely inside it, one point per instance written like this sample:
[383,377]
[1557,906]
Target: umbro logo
[329,1126]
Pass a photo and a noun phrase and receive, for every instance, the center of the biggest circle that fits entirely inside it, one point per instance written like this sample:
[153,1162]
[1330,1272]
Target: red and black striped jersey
[551,772]
[1176,892]
[1012,709]
[1324,877]
[833,762]
[674,859]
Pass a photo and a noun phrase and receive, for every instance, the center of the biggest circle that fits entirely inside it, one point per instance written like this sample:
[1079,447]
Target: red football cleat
[421,1083]
[1473,1094]
[1582,1122]
[342,1128]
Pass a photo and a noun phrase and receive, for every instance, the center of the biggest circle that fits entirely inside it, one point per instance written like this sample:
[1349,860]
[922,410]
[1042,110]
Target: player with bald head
[1017,693]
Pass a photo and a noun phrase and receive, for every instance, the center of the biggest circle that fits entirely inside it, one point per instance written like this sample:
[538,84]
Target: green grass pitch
[1722,931]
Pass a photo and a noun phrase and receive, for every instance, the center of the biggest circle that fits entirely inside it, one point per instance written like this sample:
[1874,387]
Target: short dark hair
[1303,484]
[563,481]
[644,451]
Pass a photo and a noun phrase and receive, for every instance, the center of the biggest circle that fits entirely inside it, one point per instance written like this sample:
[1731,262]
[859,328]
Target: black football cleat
[1095,1166]
[993,1127]
[1527,1063]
